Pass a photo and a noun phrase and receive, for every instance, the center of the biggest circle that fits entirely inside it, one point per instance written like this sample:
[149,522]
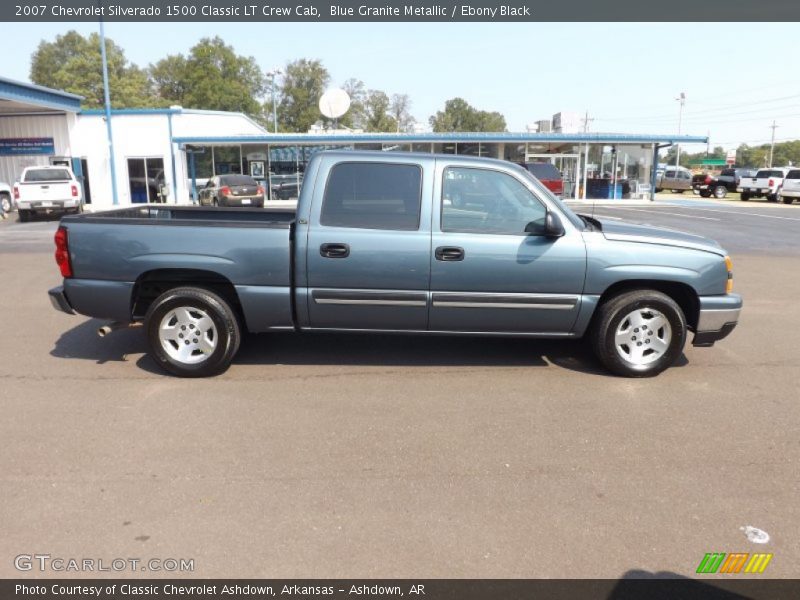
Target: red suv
[548,174]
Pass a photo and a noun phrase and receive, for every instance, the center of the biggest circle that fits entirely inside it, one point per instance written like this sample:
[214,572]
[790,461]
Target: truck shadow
[413,351]
[82,342]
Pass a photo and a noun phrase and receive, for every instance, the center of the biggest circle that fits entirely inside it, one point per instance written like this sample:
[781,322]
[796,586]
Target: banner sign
[23,146]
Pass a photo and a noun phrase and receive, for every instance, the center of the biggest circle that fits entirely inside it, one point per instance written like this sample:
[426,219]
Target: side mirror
[553,227]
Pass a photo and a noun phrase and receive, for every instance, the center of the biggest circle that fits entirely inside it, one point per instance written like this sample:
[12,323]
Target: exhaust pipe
[113,326]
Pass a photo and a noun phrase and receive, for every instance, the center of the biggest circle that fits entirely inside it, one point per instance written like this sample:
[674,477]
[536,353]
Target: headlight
[729,266]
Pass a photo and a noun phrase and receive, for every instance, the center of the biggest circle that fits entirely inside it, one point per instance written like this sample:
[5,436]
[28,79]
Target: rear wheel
[192,332]
[639,333]
[5,201]
[744,197]
[787,199]
[705,194]
[720,192]
[772,197]
[24,215]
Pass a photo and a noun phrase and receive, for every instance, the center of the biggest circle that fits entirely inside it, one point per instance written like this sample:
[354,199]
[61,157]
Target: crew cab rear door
[487,273]
[368,248]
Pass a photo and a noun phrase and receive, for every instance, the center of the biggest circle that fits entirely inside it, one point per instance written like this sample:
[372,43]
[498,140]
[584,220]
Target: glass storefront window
[227,160]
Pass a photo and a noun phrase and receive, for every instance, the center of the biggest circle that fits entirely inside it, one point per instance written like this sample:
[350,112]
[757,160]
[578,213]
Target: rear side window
[47,175]
[793,174]
[546,171]
[373,196]
[728,173]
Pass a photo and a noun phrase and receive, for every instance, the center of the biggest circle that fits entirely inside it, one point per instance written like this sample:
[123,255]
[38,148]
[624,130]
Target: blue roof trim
[38,95]
[466,137]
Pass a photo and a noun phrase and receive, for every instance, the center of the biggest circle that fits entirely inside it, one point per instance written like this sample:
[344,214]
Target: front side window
[486,201]
[373,196]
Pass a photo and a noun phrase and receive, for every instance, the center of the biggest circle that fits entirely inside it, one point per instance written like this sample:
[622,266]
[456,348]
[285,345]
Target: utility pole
[682,100]
[772,143]
[107,103]
[586,120]
[273,74]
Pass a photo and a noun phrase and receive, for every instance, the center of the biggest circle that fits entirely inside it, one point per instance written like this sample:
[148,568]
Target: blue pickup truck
[402,243]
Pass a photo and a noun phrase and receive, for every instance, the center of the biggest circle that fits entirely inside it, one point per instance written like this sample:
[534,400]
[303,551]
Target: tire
[786,199]
[215,202]
[618,318]
[5,200]
[218,340]
[24,216]
[659,190]
[720,192]
[705,194]
[744,197]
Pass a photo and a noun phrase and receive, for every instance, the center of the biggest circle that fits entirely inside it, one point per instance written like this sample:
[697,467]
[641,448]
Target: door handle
[449,253]
[334,250]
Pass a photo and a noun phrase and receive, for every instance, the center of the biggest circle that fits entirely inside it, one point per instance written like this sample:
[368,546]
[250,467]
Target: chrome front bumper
[718,316]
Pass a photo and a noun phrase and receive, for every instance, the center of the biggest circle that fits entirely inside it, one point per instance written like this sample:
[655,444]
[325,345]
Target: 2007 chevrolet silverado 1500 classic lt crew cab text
[376,244]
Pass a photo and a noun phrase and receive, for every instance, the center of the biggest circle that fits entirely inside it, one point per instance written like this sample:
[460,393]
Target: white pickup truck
[790,191]
[47,190]
[767,182]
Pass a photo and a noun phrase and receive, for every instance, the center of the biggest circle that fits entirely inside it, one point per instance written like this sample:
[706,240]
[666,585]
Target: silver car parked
[677,179]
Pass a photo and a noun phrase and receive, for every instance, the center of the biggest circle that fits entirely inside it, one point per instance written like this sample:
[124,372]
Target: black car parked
[727,181]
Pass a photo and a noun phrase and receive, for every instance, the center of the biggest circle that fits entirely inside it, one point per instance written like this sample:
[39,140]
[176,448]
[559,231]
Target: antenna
[334,103]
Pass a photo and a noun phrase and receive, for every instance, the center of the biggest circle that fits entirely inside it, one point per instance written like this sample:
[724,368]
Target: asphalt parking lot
[378,456]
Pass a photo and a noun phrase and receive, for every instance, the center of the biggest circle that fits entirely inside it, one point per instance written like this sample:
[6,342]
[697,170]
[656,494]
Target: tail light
[771,182]
[62,252]
[16,192]
[225,191]
[74,191]
[260,191]
[707,180]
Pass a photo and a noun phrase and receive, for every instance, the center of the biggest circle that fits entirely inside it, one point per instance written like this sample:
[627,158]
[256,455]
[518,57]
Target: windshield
[543,191]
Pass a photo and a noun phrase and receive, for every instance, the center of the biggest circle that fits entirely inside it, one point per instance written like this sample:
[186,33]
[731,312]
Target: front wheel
[705,194]
[192,332]
[720,192]
[5,201]
[639,333]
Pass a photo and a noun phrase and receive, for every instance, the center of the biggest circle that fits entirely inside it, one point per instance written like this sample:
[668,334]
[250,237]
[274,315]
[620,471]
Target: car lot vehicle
[765,183]
[718,186]
[232,190]
[790,190]
[375,244]
[676,179]
[44,190]
[286,190]
[548,174]
[6,195]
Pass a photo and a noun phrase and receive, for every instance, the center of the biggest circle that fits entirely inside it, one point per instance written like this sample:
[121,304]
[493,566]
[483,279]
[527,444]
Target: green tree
[378,119]
[400,109]
[304,82]
[458,115]
[355,117]
[212,77]
[73,63]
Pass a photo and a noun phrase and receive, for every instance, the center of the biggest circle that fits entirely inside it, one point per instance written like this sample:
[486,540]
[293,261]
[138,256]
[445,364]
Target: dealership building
[166,155]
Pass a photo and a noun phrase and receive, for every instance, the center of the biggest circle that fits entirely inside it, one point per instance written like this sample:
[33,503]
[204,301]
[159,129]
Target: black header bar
[406,11]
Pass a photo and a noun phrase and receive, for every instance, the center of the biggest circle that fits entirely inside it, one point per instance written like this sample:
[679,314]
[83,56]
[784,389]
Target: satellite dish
[334,103]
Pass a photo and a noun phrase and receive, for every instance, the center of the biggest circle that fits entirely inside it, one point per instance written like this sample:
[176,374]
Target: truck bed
[115,252]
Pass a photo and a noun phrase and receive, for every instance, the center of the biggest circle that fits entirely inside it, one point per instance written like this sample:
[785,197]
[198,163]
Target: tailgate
[45,191]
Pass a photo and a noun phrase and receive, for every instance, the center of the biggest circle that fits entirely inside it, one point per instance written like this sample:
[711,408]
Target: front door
[368,254]
[487,273]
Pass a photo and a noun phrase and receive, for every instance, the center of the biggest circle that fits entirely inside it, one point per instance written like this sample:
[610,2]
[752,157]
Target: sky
[626,75]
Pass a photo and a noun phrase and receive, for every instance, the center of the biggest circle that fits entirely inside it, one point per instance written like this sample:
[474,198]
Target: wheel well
[684,295]
[152,284]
